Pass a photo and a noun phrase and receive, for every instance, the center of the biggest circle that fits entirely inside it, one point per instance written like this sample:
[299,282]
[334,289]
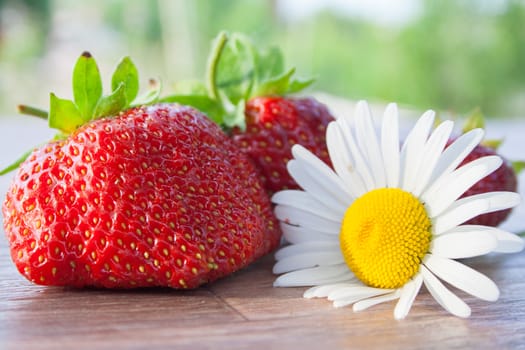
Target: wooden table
[244,311]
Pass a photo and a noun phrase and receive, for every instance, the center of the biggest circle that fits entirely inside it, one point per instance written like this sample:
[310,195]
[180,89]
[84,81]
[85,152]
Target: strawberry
[247,93]
[152,196]
[502,179]
[273,125]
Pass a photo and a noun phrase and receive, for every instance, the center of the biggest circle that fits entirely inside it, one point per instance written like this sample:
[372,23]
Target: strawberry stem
[213,62]
[33,111]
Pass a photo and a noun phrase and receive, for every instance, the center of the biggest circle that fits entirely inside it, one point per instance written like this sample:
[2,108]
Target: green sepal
[269,63]
[189,87]
[149,97]
[238,71]
[236,117]
[234,71]
[87,85]
[492,143]
[297,85]
[88,102]
[278,85]
[112,104]
[518,166]
[203,103]
[15,164]
[126,74]
[64,115]
[475,120]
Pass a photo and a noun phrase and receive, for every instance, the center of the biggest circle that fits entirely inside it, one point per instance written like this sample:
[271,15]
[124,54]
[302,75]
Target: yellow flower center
[384,236]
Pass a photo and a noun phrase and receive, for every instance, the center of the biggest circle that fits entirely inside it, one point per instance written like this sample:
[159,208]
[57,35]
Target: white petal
[307,260]
[408,295]
[449,188]
[412,150]
[322,173]
[431,154]
[356,290]
[302,200]
[315,276]
[308,247]
[390,145]
[311,185]
[367,141]
[342,160]
[359,160]
[507,242]
[456,152]
[468,207]
[324,290]
[462,277]
[357,296]
[459,245]
[365,304]
[295,234]
[443,296]
[302,218]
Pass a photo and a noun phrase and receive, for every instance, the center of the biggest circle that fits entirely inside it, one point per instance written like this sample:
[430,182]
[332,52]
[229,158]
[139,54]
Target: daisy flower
[387,219]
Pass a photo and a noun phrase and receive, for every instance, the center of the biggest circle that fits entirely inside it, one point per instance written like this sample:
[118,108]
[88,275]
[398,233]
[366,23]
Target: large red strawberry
[153,196]
[248,94]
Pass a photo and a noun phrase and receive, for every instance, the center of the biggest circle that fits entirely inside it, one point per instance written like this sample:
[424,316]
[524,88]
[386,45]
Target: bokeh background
[449,55]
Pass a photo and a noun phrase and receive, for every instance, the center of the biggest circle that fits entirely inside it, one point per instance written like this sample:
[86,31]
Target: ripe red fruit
[273,126]
[154,196]
[248,94]
[503,179]
[158,196]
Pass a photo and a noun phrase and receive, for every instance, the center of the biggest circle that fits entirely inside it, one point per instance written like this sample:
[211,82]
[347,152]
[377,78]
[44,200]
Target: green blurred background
[447,55]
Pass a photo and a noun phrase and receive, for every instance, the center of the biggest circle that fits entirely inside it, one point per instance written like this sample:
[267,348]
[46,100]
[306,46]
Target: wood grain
[244,311]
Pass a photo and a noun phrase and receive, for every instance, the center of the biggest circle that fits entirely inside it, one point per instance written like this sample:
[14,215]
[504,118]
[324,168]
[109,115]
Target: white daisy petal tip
[506,242]
[310,293]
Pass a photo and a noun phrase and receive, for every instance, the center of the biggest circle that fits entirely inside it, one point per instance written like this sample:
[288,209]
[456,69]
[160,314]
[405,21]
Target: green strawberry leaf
[522,234]
[15,164]
[235,69]
[297,85]
[276,86]
[189,87]
[203,103]
[269,64]
[151,96]
[238,71]
[87,85]
[64,115]
[492,143]
[518,166]
[88,102]
[475,120]
[236,117]
[127,74]
[112,104]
